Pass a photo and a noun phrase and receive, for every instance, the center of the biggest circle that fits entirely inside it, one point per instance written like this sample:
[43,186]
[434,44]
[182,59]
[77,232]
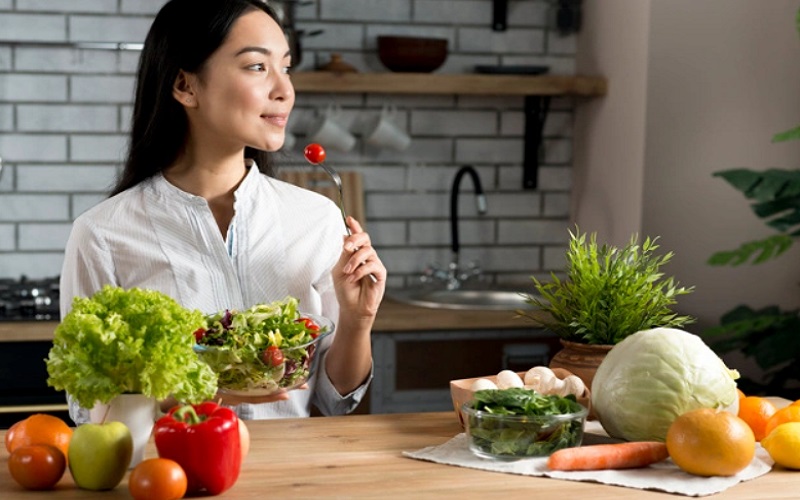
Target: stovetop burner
[29,300]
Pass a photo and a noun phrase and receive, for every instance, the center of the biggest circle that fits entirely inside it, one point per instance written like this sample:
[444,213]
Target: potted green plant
[767,335]
[120,351]
[608,294]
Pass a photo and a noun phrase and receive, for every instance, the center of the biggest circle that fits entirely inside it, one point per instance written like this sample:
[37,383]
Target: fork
[334,175]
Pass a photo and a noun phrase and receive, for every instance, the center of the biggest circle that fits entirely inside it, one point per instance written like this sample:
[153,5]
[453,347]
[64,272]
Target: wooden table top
[360,456]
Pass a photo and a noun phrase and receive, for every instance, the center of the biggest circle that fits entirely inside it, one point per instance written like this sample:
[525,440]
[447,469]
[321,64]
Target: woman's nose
[283,88]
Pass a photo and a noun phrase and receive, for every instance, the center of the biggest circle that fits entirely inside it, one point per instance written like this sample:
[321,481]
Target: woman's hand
[356,292]
[280,395]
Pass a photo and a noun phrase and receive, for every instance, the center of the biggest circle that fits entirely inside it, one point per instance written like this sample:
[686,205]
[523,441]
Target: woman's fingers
[231,400]
[363,260]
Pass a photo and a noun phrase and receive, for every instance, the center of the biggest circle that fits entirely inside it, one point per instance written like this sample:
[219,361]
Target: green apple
[99,455]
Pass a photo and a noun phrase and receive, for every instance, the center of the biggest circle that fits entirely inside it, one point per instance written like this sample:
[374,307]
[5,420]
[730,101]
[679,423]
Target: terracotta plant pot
[580,359]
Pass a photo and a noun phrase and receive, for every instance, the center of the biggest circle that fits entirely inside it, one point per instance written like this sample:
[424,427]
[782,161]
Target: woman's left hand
[356,292]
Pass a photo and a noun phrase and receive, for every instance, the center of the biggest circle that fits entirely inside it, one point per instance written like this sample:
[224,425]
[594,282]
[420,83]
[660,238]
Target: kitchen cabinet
[417,351]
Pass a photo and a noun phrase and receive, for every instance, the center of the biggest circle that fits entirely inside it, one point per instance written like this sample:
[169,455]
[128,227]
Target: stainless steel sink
[498,300]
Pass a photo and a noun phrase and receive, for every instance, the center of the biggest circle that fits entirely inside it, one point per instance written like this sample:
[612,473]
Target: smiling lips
[277,120]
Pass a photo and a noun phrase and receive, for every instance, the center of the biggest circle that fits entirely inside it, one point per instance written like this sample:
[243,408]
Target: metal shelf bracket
[536,108]
[499,15]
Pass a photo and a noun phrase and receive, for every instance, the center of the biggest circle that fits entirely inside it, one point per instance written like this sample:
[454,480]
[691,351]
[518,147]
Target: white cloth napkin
[662,476]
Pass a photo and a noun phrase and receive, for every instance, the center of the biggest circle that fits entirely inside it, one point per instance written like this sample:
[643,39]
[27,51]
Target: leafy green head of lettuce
[129,341]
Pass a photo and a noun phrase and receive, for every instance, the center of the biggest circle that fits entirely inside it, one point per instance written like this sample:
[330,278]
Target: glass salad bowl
[262,350]
[504,436]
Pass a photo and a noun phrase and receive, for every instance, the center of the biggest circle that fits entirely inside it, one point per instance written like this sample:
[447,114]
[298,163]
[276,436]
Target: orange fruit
[708,442]
[795,403]
[39,428]
[740,393]
[10,433]
[756,411]
[789,413]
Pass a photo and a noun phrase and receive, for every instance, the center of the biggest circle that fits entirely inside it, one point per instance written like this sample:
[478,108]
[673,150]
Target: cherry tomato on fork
[314,153]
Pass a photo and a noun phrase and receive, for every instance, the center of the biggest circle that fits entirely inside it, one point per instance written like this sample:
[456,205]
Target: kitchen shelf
[537,89]
[432,83]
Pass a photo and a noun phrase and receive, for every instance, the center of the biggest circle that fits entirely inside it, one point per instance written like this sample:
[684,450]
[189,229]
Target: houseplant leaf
[789,135]
[763,250]
[777,196]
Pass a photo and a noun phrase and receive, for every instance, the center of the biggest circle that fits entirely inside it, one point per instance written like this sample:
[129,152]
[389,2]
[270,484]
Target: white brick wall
[64,114]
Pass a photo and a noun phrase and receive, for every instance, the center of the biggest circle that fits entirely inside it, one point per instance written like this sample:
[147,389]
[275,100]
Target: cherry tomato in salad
[199,334]
[314,153]
[309,324]
[272,356]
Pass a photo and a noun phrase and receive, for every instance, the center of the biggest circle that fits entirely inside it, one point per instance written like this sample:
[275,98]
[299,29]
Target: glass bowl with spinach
[515,423]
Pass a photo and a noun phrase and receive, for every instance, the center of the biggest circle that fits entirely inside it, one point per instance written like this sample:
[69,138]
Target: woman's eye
[257,67]
[287,70]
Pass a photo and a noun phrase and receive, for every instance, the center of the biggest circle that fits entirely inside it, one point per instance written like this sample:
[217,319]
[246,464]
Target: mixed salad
[261,349]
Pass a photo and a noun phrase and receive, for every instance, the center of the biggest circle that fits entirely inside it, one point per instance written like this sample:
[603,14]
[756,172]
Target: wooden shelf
[537,90]
[432,83]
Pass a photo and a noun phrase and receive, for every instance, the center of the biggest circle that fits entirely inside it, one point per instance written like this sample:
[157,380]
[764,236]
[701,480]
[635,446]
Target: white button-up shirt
[283,240]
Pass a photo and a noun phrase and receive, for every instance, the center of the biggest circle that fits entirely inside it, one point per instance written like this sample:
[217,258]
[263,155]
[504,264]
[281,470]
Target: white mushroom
[574,385]
[507,379]
[559,388]
[536,373]
[541,379]
[481,384]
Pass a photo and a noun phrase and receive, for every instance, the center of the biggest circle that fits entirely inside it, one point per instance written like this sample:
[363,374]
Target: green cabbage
[129,341]
[652,377]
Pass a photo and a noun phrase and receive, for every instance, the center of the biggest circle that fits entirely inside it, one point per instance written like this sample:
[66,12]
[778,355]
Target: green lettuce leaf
[129,341]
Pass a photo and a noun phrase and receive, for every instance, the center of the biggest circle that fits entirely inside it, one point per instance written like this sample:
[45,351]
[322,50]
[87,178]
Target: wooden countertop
[360,456]
[393,316]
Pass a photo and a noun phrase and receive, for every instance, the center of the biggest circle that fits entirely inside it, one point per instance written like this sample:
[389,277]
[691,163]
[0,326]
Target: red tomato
[199,334]
[315,154]
[37,466]
[157,479]
[310,325]
[272,356]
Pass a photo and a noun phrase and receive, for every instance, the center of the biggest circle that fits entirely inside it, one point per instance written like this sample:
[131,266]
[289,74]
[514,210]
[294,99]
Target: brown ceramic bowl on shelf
[412,54]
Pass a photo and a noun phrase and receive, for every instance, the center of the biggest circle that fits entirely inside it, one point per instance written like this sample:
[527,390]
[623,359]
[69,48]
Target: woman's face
[243,93]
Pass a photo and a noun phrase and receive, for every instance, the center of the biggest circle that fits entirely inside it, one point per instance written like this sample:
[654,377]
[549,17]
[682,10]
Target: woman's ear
[183,89]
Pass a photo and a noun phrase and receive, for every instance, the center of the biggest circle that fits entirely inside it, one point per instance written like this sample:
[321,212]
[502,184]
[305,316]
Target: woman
[194,215]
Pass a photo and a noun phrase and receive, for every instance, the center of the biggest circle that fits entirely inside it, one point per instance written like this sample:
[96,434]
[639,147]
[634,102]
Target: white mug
[329,132]
[383,132]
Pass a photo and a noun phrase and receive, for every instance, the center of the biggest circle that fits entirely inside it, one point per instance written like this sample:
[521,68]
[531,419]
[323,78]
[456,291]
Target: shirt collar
[248,186]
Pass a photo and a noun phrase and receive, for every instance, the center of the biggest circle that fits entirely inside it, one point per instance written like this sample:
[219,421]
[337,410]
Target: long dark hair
[183,36]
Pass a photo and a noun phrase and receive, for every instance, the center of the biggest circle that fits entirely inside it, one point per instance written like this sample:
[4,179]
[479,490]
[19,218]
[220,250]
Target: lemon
[783,445]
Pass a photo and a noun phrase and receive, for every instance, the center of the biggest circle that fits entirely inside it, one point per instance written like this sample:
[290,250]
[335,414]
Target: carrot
[608,456]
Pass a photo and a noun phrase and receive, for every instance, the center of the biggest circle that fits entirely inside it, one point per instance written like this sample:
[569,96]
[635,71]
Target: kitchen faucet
[455,276]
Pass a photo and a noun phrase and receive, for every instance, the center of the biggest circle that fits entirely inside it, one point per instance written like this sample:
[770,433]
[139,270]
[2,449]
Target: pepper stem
[187,414]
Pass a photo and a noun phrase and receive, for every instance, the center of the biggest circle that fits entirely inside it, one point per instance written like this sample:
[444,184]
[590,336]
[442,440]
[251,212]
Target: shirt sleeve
[88,265]
[328,400]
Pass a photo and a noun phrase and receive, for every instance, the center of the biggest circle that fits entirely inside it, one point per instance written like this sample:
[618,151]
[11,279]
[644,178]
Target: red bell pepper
[204,440]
